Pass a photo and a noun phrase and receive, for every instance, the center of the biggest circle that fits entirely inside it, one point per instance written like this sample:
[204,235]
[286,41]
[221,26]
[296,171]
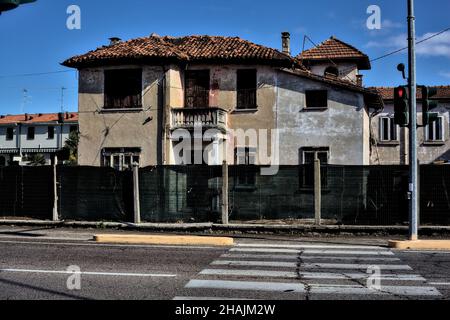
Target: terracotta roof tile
[190,48]
[443,92]
[336,50]
[37,118]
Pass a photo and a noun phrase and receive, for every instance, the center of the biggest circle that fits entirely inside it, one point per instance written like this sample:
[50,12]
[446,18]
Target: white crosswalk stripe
[286,271]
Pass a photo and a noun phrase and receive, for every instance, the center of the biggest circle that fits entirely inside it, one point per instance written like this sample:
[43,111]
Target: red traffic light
[400,93]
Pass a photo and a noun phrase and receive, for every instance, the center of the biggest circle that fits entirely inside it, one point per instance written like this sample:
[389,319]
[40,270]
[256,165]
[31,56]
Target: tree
[71,146]
[36,160]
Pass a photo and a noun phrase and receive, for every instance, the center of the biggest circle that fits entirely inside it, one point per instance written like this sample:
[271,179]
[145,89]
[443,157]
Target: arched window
[2,161]
[331,70]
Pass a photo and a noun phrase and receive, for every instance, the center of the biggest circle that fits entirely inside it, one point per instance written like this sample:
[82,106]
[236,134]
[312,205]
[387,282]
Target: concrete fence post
[137,204]
[225,193]
[317,192]
[55,216]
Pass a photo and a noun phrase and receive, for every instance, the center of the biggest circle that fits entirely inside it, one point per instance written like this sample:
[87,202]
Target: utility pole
[413,163]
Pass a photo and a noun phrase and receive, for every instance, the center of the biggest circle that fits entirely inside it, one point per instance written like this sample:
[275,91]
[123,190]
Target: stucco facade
[396,152]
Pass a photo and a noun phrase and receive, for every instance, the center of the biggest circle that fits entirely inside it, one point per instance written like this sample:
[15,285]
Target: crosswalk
[277,271]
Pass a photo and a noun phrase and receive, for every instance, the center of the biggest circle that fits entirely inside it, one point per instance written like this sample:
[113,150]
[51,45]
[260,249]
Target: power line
[405,48]
[35,74]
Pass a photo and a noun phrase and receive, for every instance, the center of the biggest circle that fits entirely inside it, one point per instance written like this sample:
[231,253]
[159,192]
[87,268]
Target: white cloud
[438,46]
[445,74]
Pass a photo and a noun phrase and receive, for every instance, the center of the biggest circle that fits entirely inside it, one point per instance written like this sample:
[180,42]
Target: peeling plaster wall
[343,127]
[103,129]
[397,153]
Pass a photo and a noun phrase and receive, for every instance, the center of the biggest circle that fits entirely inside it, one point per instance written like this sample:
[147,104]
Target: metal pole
[317,192]
[137,205]
[55,216]
[225,193]
[413,164]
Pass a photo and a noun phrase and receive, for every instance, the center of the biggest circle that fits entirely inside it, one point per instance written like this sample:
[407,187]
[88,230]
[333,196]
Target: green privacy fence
[350,195]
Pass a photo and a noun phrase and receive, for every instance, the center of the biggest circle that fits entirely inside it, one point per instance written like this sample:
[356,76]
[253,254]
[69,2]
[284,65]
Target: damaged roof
[336,50]
[188,49]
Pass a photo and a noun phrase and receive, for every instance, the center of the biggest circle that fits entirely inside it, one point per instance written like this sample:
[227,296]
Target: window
[434,132]
[120,158]
[9,134]
[197,89]
[388,129]
[2,161]
[30,133]
[246,159]
[123,89]
[73,129]
[333,71]
[307,169]
[246,89]
[51,133]
[316,99]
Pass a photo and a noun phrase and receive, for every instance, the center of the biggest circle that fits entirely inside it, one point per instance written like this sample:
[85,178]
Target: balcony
[208,118]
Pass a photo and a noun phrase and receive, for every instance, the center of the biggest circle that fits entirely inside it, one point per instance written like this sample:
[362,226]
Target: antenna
[25,100]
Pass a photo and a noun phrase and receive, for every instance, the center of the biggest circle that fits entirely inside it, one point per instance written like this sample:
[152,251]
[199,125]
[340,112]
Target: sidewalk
[212,228]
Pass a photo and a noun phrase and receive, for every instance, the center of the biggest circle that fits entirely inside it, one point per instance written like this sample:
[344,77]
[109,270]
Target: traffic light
[401,106]
[428,105]
[6,5]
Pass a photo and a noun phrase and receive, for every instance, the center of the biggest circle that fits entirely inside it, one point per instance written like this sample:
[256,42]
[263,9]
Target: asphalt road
[276,268]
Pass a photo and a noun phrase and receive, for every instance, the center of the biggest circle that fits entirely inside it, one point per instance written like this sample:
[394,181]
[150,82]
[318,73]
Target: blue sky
[34,38]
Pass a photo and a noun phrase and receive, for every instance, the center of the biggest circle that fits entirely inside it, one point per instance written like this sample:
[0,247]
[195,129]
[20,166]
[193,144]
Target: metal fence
[350,195]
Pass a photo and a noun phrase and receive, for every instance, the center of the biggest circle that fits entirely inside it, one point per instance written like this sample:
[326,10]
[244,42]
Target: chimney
[26,117]
[114,40]
[359,80]
[286,42]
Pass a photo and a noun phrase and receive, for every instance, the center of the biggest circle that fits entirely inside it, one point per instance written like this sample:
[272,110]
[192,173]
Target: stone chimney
[359,80]
[114,40]
[286,42]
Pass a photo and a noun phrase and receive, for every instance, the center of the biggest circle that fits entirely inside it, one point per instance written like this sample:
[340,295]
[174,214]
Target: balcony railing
[188,118]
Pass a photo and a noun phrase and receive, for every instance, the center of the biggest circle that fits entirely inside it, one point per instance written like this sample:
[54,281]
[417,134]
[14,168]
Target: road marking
[309,275]
[255,263]
[312,289]
[286,246]
[297,257]
[440,283]
[207,299]
[110,274]
[247,285]
[354,266]
[93,244]
[331,252]
[250,273]
[385,290]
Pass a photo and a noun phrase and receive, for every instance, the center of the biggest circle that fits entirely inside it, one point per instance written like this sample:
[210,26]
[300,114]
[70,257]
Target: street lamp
[6,5]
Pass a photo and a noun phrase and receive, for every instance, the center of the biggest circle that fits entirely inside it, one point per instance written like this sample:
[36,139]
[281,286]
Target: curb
[211,228]
[164,240]
[420,245]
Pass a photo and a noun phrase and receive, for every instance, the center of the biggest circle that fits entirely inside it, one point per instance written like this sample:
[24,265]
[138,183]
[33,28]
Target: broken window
[246,160]
[120,159]
[434,132]
[331,71]
[123,89]
[388,129]
[307,169]
[246,89]
[30,133]
[316,99]
[197,89]
[9,134]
